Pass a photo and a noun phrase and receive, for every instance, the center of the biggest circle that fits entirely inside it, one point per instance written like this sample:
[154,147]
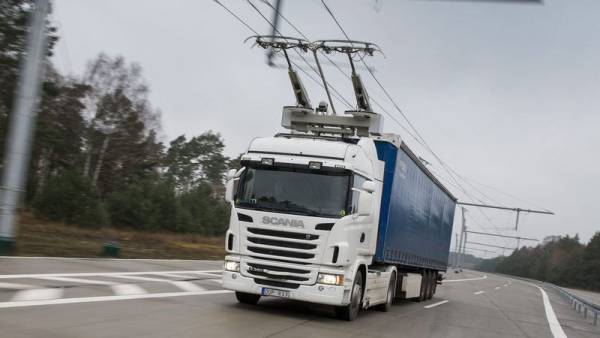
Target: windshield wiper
[254,206]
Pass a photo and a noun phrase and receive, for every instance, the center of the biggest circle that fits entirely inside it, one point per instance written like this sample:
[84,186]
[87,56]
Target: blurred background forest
[562,260]
[99,156]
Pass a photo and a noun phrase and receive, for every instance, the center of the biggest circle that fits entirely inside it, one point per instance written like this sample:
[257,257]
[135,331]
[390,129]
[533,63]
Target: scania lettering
[334,211]
[283,221]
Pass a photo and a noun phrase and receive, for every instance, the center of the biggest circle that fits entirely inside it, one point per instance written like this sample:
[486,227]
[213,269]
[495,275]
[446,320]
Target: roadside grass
[42,238]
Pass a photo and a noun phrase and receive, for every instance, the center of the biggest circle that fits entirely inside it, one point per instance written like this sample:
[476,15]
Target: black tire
[424,286]
[350,311]
[435,284]
[387,306]
[247,298]
[431,286]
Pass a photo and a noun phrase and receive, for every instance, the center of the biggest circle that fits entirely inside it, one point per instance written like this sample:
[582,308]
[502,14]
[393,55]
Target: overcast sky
[508,95]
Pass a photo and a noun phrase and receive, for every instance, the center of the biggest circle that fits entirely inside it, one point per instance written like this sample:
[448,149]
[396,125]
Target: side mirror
[230,174]
[365,200]
[229,190]
[230,185]
[368,186]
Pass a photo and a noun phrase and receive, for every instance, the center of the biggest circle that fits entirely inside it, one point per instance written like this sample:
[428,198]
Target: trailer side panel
[417,212]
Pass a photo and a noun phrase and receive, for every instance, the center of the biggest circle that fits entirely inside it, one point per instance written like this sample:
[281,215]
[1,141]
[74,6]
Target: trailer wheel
[435,280]
[247,298]
[387,306]
[424,286]
[431,285]
[350,311]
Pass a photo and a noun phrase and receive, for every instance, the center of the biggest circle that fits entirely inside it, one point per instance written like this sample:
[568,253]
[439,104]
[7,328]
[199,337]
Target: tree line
[564,262]
[98,157]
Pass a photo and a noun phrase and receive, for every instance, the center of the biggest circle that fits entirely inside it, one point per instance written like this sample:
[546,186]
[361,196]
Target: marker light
[232,266]
[266,161]
[325,278]
[314,165]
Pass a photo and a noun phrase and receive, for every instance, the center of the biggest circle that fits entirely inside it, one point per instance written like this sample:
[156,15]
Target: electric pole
[462,240]
[20,130]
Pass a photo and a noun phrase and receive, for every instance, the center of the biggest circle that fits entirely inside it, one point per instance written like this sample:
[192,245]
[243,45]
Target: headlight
[325,278]
[232,266]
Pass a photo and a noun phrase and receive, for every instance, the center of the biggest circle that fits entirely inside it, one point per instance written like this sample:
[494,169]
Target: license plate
[275,293]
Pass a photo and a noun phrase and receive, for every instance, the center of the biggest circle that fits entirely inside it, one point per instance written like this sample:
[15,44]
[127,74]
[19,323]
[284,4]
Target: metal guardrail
[577,303]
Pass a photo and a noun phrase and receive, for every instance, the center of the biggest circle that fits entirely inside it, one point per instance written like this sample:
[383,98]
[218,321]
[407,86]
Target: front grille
[276,277]
[281,253]
[280,258]
[284,234]
[284,244]
[278,268]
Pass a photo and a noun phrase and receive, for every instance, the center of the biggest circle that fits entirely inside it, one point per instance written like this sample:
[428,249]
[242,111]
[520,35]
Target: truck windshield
[296,191]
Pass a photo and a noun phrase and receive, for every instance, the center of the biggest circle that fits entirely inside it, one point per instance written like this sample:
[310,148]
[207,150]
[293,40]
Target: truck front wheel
[247,298]
[350,311]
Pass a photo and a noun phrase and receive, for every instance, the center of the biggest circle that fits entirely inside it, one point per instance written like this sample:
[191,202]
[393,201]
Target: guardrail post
[595,318]
[578,307]
[585,312]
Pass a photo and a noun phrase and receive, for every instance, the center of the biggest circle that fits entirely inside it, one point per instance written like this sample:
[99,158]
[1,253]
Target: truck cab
[304,219]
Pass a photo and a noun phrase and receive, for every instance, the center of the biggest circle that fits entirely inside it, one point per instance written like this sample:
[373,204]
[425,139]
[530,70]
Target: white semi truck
[334,211]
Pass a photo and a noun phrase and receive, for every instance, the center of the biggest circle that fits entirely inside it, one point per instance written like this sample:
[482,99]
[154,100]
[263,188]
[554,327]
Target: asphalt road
[46,297]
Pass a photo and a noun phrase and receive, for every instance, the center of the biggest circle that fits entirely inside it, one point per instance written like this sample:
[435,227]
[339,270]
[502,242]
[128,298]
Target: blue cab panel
[417,212]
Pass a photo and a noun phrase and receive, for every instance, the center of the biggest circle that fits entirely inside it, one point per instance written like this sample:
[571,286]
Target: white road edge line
[557,330]
[89,274]
[436,304]
[478,292]
[497,288]
[463,280]
[13,304]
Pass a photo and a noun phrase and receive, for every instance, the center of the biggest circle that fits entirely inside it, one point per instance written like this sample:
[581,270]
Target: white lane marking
[497,288]
[505,285]
[112,259]
[463,280]
[16,286]
[127,289]
[436,304]
[218,281]
[13,304]
[77,280]
[172,275]
[557,330]
[183,285]
[37,295]
[90,274]
[118,289]
[208,273]
[478,292]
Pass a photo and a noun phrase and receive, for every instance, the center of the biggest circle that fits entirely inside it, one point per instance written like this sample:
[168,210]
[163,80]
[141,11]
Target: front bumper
[317,293]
